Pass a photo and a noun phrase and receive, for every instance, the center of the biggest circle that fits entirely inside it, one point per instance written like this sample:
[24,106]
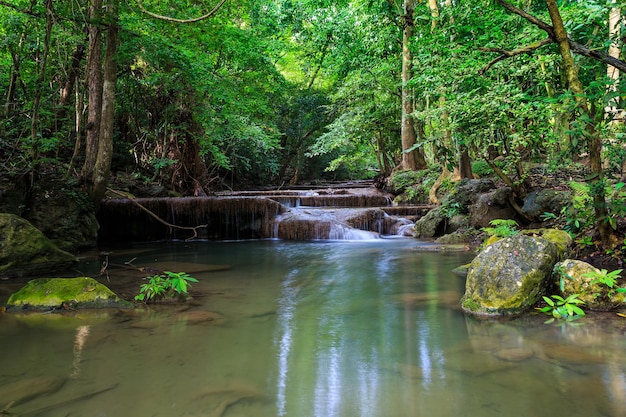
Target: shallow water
[315,329]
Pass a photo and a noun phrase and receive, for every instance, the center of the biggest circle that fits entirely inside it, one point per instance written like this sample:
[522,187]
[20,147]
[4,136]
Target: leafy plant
[167,284]
[548,216]
[450,209]
[502,228]
[585,241]
[606,278]
[563,308]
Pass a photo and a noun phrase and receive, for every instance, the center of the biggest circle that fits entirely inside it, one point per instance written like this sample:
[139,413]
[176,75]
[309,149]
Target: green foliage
[502,228]
[482,169]
[400,181]
[560,308]
[167,284]
[607,279]
[579,215]
[450,208]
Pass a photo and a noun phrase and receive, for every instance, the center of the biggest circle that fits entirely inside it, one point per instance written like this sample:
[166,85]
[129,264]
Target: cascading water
[334,214]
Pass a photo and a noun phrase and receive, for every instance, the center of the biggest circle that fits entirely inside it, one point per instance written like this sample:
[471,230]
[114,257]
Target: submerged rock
[24,250]
[69,293]
[16,393]
[509,276]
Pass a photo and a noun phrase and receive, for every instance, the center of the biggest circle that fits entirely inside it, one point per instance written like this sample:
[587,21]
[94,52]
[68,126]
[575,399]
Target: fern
[581,197]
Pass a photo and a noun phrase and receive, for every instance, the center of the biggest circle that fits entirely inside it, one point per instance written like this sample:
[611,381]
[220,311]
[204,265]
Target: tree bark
[594,142]
[412,159]
[102,167]
[94,87]
[43,59]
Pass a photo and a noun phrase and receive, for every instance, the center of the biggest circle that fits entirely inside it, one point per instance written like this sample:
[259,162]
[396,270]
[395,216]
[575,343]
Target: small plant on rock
[168,284]
[563,308]
[606,278]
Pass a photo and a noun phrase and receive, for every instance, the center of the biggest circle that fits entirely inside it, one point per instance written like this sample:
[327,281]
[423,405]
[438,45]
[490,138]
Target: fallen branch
[194,229]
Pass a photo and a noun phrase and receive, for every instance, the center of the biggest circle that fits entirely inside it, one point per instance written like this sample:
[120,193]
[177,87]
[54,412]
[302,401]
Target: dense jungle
[186,98]
[312,208]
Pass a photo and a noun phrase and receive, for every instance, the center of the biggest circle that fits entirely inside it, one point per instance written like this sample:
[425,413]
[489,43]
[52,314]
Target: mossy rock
[560,238]
[68,293]
[24,250]
[578,277]
[509,276]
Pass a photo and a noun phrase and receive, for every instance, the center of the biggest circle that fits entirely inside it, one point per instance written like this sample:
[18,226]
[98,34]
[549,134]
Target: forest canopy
[199,95]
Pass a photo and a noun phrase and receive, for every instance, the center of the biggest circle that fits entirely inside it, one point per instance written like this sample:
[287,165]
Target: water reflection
[330,329]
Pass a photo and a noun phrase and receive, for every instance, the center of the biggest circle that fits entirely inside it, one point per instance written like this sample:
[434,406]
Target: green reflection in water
[319,329]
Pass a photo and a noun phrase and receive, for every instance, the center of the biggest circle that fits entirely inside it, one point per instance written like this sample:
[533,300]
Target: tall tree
[594,141]
[412,155]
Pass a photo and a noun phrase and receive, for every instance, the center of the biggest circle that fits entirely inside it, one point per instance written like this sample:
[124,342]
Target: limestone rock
[491,206]
[560,238]
[51,293]
[431,225]
[27,389]
[24,250]
[595,295]
[467,191]
[509,276]
[545,201]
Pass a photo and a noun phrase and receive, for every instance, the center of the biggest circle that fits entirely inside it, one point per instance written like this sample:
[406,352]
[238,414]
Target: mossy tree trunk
[594,142]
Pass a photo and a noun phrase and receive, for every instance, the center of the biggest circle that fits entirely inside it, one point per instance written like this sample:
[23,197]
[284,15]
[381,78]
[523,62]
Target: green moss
[49,293]
[560,238]
[26,247]
[470,304]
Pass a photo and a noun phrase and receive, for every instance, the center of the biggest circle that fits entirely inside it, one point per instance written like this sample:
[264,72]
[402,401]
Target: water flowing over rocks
[352,214]
[509,276]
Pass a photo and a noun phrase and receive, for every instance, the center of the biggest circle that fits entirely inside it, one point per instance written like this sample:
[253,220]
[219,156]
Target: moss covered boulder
[582,278]
[509,276]
[64,293]
[560,238]
[24,250]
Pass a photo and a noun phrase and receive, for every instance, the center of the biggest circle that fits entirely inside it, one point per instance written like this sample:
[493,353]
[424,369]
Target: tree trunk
[465,163]
[68,86]
[102,167]
[614,51]
[412,159]
[43,59]
[594,142]
[94,83]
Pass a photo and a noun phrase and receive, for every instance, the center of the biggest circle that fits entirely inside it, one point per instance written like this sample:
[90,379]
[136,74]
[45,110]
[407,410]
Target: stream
[367,328]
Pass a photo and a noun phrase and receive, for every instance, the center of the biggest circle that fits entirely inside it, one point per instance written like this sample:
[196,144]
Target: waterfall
[276,214]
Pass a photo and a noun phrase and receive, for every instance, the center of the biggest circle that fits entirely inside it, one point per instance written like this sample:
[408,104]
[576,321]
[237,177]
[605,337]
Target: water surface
[315,329]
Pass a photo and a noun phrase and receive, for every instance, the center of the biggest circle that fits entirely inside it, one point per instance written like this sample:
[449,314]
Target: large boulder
[509,276]
[60,210]
[433,224]
[560,238]
[491,206]
[539,202]
[64,293]
[466,192]
[24,250]
[578,278]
